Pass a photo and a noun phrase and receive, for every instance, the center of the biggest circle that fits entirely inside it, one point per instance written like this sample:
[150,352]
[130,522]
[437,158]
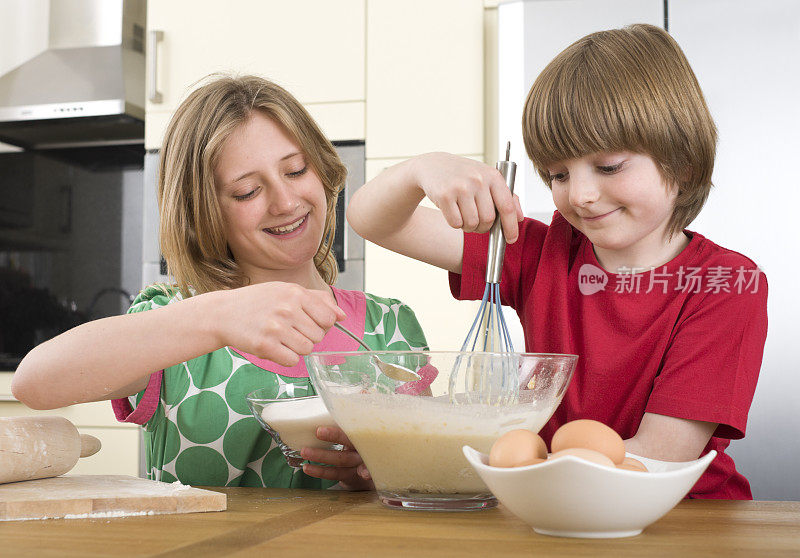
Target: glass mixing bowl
[291,421]
[410,434]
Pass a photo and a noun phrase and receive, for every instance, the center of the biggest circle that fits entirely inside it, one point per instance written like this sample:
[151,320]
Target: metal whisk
[489,332]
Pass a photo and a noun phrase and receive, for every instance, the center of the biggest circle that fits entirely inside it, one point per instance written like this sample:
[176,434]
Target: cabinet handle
[153,94]
[8,399]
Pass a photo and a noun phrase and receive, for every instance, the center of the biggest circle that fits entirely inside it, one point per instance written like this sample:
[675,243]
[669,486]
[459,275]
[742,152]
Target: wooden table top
[277,522]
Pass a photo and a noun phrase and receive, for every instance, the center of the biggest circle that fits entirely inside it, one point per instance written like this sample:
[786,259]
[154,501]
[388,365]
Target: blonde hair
[625,89]
[191,226]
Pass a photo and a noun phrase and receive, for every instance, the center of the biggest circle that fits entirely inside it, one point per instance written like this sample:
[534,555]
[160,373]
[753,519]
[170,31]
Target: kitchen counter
[266,521]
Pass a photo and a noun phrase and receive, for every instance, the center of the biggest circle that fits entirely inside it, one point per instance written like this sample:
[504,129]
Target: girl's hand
[346,466]
[275,321]
[470,194]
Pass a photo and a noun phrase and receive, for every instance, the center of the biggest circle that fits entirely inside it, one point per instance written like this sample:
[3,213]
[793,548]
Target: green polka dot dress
[198,428]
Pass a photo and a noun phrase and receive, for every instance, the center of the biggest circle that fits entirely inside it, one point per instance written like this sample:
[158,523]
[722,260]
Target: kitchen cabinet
[121,446]
[424,93]
[424,77]
[314,48]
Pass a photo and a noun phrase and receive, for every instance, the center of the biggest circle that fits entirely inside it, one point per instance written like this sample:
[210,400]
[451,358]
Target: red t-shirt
[684,340]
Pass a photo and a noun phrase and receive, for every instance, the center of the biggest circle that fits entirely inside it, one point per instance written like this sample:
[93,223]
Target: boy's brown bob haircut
[625,89]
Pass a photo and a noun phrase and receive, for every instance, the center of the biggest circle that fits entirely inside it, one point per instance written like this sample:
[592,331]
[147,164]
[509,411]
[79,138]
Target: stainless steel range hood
[88,87]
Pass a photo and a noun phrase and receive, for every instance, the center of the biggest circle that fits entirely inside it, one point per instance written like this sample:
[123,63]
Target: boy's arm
[709,373]
[386,210]
[670,438]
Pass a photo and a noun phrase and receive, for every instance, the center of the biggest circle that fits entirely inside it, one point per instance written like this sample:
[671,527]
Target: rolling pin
[41,447]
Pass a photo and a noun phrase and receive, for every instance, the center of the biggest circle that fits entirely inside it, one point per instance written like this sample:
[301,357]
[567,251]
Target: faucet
[104,291]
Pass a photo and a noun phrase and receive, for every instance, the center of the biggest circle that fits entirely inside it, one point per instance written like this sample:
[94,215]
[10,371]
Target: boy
[670,327]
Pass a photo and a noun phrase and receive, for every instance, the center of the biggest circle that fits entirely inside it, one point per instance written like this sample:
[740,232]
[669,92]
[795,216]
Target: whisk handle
[497,243]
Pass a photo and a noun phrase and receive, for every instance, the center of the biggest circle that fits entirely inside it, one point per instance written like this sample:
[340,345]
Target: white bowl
[570,497]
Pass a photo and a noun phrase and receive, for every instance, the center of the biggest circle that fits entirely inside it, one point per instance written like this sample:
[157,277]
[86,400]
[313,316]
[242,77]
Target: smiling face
[621,202]
[272,202]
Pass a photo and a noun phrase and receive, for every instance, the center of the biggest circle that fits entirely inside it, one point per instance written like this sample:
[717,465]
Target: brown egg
[586,454]
[632,464]
[533,461]
[517,448]
[589,434]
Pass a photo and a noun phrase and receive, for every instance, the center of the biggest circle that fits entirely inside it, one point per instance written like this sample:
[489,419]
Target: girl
[669,326]
[247,192]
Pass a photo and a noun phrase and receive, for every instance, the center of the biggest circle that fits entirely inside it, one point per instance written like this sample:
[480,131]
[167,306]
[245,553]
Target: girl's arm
[670,438]
[386,209]
[113,357]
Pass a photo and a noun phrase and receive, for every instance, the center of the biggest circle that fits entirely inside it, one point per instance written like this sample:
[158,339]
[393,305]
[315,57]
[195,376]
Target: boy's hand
[345,466]
[468,193]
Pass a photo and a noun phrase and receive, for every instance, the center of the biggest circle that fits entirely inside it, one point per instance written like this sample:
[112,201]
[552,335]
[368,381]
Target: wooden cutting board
[102,496]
